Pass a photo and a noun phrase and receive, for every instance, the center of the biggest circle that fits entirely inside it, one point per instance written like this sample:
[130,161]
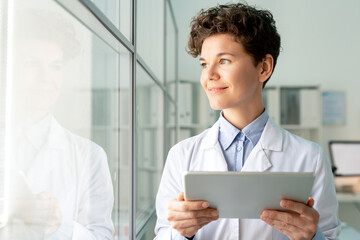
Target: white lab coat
[75,171]
[277,151]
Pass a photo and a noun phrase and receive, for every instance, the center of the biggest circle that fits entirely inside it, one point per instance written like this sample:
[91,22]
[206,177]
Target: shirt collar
[227,132]
[253,131]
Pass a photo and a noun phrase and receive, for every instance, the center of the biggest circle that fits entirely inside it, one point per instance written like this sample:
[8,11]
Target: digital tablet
[246,194]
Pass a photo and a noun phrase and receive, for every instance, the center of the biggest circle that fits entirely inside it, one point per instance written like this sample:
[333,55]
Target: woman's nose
[212,72]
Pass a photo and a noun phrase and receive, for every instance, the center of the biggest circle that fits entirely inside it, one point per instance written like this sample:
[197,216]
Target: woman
[238,47]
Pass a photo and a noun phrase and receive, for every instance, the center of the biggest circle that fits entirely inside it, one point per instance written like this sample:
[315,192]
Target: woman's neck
[241,117]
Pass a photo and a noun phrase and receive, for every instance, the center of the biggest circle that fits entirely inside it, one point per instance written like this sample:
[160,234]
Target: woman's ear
[266,68]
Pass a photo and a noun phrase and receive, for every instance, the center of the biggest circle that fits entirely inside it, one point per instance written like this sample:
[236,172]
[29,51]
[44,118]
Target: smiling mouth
[216,89]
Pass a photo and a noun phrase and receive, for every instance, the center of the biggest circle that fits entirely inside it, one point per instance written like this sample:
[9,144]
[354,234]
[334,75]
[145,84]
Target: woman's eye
[204,65]
[224,61]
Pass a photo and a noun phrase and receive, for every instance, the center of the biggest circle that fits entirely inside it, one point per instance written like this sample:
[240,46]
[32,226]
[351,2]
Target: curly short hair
[254,29]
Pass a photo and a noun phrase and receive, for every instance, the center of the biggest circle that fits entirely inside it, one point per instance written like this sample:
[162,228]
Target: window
[149,145]
[83,116]
[118,13]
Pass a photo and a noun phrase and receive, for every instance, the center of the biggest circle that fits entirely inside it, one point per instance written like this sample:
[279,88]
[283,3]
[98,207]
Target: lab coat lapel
[259,159]
[213,156]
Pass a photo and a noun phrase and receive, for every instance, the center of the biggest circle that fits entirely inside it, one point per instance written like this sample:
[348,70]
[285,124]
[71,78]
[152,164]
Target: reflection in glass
[65,129]
[110,122]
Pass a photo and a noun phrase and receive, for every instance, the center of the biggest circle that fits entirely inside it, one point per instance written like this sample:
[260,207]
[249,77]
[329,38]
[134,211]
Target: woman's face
[229,76]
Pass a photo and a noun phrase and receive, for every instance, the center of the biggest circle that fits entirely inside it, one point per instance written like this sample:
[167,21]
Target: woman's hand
[298,224]
[187,217]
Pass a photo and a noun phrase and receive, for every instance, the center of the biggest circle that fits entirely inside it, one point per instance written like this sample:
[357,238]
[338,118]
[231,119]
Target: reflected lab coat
[75,171]
[277,151]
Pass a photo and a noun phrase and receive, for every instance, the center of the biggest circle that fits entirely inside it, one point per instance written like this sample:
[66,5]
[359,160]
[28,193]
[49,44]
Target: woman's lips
[216,89]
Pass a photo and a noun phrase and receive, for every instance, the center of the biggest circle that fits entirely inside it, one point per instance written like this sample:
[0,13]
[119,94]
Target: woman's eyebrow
[224,53]
[219,55]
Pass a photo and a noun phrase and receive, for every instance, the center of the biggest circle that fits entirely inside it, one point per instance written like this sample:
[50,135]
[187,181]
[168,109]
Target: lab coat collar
[211,138]
[258,160]
[271,138]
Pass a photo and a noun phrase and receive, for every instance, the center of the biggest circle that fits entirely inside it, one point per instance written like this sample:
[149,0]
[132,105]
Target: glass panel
[124,192]
[119,13]
[170,126]
[170,53]
[149,234]
[111,123]
[150,32]
[149,145]
[69,114]
[126,18]
[110,9]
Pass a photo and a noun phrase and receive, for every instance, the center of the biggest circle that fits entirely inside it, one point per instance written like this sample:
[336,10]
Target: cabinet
[194,111]
[296,109]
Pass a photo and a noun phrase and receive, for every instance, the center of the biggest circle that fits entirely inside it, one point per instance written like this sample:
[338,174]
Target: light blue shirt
[237,144]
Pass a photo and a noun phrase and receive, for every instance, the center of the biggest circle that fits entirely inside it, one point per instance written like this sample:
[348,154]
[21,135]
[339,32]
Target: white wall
[320,45]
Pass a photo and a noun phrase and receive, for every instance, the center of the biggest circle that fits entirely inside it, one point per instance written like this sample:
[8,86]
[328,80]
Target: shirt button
[239,148]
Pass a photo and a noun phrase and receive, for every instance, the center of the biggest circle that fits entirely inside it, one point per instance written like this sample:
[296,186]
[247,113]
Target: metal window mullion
[133,149]
[173,16]
[118,165]
[108,24]
[118,158]
[176,100]
[81,12]
[149,72]
[170,98]
[165,101]
[177,84]
[133,126]
[176,71]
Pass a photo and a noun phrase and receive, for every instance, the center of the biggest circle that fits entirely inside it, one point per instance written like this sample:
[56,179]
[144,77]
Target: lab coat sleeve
[96,199]
[170,187]
[325,197]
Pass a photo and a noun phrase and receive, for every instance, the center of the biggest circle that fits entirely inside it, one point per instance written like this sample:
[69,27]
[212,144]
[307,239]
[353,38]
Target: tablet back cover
[246,194]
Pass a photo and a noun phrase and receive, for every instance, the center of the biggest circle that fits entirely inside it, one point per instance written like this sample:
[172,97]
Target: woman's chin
[216,106]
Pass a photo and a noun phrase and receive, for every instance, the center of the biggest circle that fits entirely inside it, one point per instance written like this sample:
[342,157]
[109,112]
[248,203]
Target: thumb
[181,197]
